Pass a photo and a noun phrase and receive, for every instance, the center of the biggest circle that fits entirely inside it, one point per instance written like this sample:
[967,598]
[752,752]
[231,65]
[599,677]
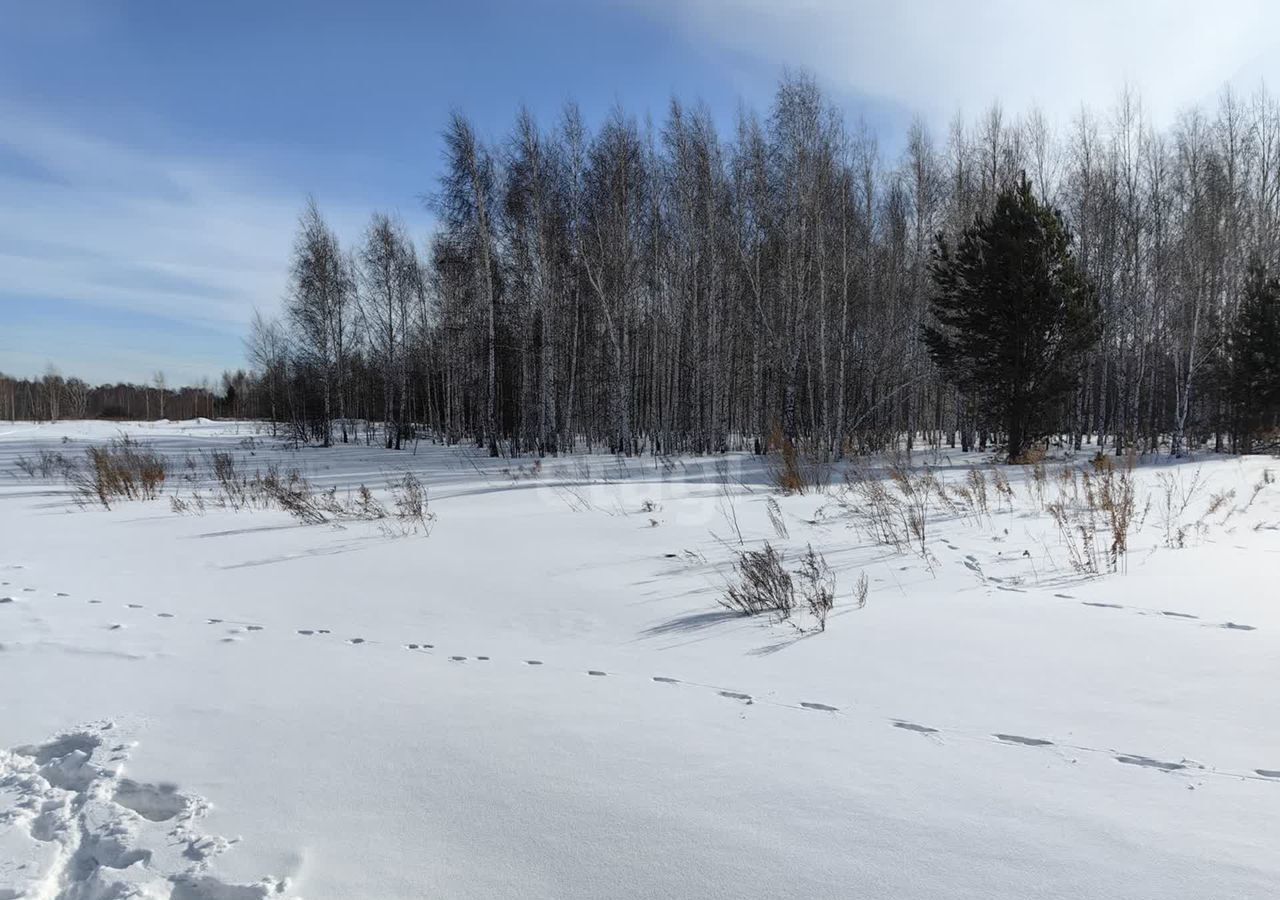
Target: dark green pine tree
[1013,315]
[1255,357]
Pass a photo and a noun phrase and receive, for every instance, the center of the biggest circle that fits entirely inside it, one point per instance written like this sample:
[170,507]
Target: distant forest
[665,288]
[52,397]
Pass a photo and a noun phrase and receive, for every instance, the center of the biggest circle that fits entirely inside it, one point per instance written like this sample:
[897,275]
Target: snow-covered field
[542,697]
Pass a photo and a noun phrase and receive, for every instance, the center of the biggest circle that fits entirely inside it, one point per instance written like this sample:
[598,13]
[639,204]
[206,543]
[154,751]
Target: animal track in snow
[1101,605]
[356,640]
[597,673]
[1268,773]
[662,679]
[533,662]
[1024,741]
[1236,626]
[1177,615]
[819,706]
[735,695]
[912,726]
[1134,759]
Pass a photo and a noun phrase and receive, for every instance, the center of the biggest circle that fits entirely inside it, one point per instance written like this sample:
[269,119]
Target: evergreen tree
[1013,314]
[1255,353]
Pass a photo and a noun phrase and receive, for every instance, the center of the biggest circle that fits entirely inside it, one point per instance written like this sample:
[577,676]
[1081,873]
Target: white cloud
[937,56]
[89,220]
[195,240]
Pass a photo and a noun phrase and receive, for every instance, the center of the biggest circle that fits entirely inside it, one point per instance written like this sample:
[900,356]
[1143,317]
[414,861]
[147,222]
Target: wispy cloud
[118,258]
[98,222]
[938,56]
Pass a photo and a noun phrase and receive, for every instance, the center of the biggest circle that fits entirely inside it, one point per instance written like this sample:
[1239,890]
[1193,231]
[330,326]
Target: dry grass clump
[121,470]
[1095,513]
[1175,496]
[798,467]
[46,464]
[762,585]
[894,512]
[126,470]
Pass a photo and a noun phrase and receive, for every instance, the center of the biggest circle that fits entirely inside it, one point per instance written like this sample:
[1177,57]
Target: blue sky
[154,155]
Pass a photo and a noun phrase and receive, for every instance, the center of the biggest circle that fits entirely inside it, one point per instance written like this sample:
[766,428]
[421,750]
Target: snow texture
[543,697]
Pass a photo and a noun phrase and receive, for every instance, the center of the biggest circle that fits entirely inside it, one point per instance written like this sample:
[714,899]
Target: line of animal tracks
[231,632]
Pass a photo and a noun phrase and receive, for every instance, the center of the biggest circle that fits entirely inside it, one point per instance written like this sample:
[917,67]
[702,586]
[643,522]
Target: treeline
[52,397]
[668,288]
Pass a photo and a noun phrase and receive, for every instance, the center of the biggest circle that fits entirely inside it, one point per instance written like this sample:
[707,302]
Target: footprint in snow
[1064,596]
[1102,605]
[1268,773]
[6,599]
[662,679]
[306,631]
[735,695]
[356,641]
[483,658]
[253,627]
[62,594]
[1177,615]
[819,706]
[213,621]
[115,627]
[533,662]
[597,673]
[157,802]
[134,605]
[164,615]
[1236,626]
[458,658]
[1024,741]
[912,726]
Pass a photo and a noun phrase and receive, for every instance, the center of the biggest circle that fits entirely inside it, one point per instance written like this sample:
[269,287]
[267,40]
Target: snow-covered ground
[543,697]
